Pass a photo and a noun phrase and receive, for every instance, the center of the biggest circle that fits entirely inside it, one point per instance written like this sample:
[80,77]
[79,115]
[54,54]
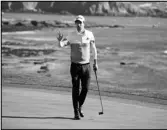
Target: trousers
[80,73]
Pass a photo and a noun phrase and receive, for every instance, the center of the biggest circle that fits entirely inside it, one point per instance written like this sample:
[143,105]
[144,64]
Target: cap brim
[79,20]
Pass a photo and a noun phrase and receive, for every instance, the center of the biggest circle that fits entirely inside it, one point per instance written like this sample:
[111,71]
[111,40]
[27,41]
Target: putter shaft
[99,93]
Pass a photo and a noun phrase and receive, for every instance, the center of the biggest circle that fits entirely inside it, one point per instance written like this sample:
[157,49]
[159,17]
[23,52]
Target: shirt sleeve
[92,38]
[64,42]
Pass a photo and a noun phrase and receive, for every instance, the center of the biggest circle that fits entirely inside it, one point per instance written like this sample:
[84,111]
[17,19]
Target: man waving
[80,41]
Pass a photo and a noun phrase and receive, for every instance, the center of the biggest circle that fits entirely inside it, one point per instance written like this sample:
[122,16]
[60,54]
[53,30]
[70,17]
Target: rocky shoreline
[96,8]
[10,25]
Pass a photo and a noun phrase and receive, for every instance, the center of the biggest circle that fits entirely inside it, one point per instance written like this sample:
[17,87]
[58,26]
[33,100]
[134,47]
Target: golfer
[80,41]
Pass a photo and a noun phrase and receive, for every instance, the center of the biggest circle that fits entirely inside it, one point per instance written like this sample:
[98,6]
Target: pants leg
[75,86]
[85,82]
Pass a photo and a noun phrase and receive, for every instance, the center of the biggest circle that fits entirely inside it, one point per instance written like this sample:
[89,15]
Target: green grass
[138,45]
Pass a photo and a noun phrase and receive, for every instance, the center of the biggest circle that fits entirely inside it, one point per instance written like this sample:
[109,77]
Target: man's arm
[62,41]
[95,66]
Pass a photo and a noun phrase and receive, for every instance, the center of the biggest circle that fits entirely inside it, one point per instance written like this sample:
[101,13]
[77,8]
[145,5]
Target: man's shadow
[30,117]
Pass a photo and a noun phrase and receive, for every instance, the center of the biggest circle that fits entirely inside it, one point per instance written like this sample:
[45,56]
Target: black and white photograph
[83,64]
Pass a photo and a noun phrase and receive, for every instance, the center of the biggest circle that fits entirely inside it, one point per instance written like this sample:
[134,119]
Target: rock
[45,67]
[122,63]
[87,8]
[5,22]
[19,24]
[38,62]
[33,22]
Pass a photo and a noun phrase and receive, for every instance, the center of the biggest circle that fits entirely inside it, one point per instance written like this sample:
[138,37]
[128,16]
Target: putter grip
[94,69]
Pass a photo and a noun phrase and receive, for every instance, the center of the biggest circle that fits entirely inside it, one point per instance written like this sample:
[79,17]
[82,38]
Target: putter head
[100,113]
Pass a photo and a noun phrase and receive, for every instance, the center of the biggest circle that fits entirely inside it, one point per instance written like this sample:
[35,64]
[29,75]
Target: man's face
[79,25]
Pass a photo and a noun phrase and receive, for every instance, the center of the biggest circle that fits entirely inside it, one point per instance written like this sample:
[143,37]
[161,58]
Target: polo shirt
[80,46]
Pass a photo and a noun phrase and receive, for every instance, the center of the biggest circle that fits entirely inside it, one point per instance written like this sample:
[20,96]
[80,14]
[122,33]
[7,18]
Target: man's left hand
[95,67]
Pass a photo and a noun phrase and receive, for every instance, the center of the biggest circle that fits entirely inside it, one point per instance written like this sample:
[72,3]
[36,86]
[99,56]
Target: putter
[100,113]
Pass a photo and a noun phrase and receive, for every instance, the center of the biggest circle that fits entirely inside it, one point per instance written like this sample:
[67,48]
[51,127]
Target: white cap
[80,18]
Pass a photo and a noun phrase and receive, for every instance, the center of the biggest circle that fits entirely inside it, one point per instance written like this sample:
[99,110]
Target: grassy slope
[137,45]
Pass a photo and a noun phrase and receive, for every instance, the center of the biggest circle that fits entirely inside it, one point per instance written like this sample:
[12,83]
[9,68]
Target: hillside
[154,9]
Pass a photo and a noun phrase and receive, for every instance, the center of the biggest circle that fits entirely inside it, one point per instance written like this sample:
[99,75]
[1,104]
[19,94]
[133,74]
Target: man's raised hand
[60,36]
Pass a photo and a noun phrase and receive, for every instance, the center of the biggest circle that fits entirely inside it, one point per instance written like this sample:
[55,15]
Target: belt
[80,63]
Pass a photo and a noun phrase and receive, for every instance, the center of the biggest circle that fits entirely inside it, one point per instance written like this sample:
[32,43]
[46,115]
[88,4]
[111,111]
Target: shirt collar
[82,33]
